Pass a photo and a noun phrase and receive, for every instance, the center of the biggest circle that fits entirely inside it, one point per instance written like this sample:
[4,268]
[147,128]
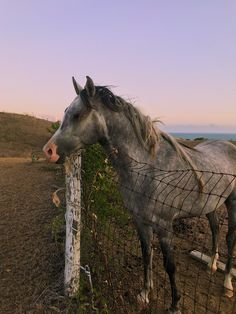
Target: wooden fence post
[73,224]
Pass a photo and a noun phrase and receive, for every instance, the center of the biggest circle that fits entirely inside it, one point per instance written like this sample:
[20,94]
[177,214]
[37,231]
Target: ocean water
[210,136]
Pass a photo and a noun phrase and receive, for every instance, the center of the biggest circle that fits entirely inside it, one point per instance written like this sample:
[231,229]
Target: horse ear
[90,87]
[77,87]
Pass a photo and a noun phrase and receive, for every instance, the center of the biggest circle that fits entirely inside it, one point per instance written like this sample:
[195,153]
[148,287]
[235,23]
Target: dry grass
[20,135]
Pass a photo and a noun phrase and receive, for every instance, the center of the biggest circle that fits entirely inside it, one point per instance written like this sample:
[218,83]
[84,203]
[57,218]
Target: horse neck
[122,143]
[126,153]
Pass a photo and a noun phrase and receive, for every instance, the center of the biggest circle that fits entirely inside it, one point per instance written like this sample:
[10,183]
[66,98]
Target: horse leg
[146,235]
[169,264]
[231,241]
[214,225]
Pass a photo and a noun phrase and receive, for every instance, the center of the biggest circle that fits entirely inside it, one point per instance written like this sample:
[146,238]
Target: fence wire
[110,243]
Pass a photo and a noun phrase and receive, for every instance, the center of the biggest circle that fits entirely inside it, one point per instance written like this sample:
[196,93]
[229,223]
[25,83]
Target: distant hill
[20,135]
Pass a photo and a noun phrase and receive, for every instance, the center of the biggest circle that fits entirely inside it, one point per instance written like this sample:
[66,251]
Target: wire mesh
[111,247]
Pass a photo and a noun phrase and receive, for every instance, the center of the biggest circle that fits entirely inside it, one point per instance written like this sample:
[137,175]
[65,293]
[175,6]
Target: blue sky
[175,60]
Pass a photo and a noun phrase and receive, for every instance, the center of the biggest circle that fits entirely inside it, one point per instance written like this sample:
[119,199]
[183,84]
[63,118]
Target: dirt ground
[31,261]
[119,279]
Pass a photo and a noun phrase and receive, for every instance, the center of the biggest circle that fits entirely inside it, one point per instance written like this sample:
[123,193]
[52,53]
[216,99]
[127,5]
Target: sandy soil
[31,262]
[118,270]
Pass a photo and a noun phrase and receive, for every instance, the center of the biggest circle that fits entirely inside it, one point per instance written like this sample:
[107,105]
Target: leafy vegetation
[100,192]
[200,139]
[53,127]
[102,206]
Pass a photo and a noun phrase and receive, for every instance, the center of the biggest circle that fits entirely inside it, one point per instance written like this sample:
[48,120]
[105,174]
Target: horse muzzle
[50,151]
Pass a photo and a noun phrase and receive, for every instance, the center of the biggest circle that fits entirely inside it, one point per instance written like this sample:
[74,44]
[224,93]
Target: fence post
[73,224]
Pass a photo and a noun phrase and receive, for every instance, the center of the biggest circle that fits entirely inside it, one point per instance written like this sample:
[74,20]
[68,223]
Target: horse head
[83,123]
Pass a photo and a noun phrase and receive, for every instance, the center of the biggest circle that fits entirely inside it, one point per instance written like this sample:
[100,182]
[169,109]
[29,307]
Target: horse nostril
[50,152]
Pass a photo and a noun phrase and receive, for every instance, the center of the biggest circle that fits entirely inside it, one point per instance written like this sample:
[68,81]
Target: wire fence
[110,245]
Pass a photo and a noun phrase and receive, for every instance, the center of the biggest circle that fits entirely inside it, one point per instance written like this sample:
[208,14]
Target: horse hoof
[228,293]
[142,299]
[211,270]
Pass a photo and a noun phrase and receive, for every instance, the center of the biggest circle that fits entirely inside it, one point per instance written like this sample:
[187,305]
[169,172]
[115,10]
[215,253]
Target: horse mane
[180,148]
[148,134]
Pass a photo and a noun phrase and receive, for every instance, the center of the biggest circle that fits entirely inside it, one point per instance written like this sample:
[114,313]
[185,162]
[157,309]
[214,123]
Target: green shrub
[200,139]
[54,126]
[99,187]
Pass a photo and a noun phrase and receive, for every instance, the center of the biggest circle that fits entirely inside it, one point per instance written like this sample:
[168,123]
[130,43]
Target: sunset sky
[176,60]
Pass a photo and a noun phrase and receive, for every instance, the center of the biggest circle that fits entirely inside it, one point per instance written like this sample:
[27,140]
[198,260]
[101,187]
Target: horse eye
[76,116]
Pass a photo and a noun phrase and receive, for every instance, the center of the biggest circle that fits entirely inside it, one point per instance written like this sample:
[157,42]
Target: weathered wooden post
[73,224]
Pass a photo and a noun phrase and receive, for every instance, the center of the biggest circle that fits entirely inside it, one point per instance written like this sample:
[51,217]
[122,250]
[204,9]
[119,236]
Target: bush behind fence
[111,248]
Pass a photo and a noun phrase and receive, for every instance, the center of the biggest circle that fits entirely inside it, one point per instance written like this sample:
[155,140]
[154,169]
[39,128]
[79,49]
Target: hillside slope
[20,135]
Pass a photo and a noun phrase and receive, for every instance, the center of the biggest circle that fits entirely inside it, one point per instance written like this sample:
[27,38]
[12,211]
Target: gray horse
[159,177]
